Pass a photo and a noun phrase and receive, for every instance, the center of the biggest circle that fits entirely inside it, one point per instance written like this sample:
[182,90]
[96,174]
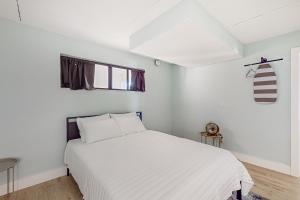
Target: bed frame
[73,133]
[239,194]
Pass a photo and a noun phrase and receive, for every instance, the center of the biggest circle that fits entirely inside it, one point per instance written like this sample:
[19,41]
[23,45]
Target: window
[119,79]
[112,78]
[80,73]
[101,76]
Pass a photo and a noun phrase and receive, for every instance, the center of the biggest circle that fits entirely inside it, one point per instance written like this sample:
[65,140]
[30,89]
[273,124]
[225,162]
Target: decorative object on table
[212,128]
[212,133]
[5,165]
[250,196]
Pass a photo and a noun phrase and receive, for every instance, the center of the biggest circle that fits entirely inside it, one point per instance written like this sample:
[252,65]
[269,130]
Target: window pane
[101,76]
[129,79]
[119,78]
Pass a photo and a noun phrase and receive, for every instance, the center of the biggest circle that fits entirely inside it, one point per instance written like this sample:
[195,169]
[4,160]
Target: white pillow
[100,130]
[132,114]
[130,124]
[88,119]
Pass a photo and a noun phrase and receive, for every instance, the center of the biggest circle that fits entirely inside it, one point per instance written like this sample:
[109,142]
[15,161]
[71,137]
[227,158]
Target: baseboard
[35,179]
[275,166]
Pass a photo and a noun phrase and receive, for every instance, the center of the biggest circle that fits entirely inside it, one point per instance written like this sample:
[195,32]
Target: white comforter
[152,165]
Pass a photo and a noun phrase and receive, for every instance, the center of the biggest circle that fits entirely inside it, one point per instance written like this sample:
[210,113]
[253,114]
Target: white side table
[5,165]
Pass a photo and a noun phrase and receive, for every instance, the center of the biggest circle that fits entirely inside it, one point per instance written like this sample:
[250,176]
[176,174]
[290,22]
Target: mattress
[151,165]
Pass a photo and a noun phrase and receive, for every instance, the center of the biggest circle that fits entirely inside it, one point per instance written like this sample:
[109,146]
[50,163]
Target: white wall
[222,94]
[33,107]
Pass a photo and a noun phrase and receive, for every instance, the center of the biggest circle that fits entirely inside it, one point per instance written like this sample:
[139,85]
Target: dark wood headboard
[72,128]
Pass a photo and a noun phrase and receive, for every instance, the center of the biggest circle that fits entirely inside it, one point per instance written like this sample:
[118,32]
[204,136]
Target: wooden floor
[270,184]
[273,185]
[63,188]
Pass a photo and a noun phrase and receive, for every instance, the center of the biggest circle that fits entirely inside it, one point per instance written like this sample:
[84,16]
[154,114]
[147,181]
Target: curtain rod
[263,61]
[100,63]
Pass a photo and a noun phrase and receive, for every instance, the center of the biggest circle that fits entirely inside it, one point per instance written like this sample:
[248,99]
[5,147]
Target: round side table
[5,165]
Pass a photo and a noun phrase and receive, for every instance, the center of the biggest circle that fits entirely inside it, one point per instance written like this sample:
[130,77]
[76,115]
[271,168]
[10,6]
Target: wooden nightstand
[217,140]
[5,165]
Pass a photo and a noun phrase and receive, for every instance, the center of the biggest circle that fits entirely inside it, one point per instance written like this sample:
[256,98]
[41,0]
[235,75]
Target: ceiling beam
[186,10]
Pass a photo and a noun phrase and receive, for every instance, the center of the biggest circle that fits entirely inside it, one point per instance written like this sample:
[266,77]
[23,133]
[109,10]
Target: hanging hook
[263,60]
[251,73]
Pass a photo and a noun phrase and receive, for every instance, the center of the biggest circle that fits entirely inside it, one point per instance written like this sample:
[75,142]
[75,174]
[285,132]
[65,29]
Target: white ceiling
[255,20]
[112,22]
[108,22]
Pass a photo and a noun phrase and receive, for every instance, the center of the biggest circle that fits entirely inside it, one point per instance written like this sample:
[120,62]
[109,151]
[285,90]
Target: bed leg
[68,172]
[239,195]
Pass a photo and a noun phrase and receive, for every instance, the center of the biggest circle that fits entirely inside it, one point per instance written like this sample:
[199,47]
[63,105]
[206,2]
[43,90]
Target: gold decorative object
[212,132]
[212,128]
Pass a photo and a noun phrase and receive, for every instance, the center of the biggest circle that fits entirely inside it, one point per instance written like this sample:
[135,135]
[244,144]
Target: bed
[150,165]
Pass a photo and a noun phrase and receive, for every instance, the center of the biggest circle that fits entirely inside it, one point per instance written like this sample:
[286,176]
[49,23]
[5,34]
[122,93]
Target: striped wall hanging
[265,84]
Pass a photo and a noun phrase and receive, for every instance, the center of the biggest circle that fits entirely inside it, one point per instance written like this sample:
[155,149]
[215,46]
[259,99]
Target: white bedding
[152,165]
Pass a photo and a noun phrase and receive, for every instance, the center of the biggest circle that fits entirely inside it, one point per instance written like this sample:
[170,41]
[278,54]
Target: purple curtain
[137,80]
[77,74]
